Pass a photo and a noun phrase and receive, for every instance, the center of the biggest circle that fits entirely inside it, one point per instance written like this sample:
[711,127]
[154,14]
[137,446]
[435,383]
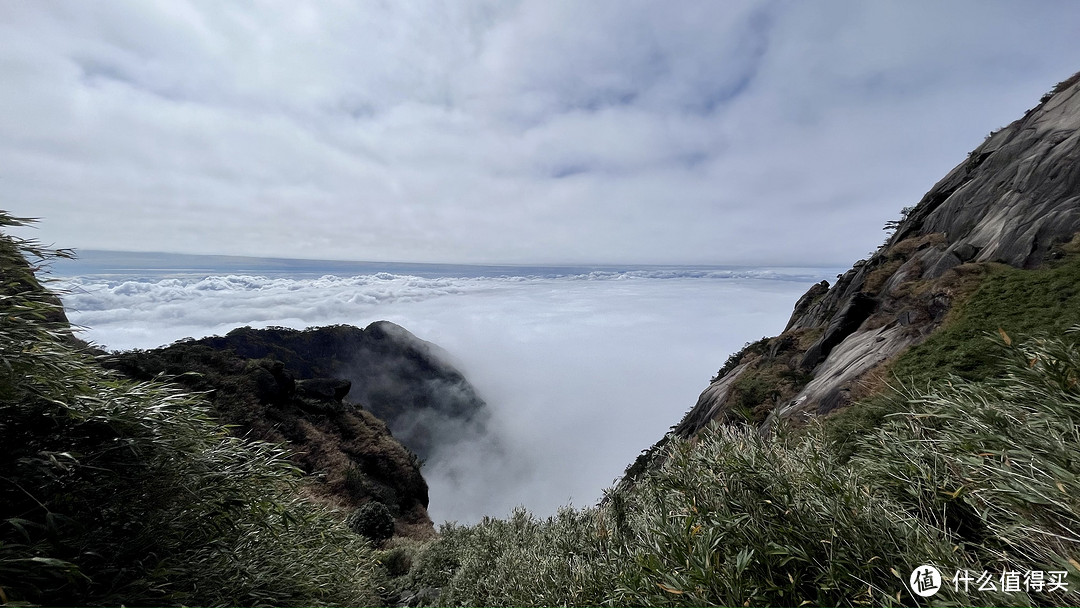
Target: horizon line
[567,264]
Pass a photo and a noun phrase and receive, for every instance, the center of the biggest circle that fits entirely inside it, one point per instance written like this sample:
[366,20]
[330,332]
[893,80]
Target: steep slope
[360,408]
[1014,203]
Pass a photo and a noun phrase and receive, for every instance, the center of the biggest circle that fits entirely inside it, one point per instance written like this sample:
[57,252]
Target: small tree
[892,225]
[373,521]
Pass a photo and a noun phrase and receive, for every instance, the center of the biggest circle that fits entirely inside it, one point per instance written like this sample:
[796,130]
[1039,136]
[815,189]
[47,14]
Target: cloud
[528,132]
[580,371]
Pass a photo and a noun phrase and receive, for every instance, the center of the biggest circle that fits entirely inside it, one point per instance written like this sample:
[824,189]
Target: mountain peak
[1015,201]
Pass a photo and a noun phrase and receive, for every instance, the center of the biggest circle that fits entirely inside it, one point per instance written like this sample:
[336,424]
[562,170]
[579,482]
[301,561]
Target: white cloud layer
[582,372]
[533,131]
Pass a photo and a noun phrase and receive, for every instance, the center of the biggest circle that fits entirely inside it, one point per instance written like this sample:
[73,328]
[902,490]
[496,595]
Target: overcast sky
[522,132]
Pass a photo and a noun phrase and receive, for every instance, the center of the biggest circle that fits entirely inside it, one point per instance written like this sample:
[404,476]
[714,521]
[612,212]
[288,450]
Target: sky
[534,131]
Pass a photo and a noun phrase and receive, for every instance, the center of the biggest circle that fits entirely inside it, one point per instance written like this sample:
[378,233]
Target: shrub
[565,559]
[373,521]
[397,561]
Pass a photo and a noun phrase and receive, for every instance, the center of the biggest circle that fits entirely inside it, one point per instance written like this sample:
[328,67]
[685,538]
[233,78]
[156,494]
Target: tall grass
[994,465]
[969,476]
[113,492]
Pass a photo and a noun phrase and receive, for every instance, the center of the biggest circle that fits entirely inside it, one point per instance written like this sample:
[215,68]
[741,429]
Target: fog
[581,371]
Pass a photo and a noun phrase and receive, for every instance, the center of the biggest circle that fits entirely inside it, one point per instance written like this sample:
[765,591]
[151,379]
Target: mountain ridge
[1015,201]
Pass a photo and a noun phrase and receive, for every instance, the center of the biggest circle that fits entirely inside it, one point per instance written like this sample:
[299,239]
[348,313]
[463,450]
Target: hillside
[360,408]
[402,380]
[349,455]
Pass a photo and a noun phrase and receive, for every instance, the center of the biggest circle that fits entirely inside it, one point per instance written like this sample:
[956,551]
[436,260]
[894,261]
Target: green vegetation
[373,521]
[750,348]
[969,476]
[116,492]
[1020,302]
[122,492]
[1017,302]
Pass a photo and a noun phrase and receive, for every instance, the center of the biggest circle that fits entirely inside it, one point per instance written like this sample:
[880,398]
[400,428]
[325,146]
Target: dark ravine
[1015,200]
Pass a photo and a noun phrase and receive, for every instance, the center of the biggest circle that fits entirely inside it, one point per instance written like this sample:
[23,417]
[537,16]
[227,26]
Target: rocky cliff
[349,455]
[403,380]
[1014,201]
[360,408]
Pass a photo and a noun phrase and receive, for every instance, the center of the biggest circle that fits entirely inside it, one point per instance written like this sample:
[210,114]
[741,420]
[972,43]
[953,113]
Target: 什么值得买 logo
[926,580]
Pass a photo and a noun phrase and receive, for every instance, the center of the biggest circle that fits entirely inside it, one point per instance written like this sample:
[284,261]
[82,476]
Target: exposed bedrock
[1011,201]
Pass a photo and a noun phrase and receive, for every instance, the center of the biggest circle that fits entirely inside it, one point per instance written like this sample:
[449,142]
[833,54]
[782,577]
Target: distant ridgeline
[992,246]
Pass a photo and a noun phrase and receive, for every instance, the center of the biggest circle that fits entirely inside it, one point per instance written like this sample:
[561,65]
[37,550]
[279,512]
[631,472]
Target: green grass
[1018,302]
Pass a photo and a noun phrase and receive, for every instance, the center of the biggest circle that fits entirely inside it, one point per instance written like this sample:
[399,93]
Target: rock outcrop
[360,408]
[1015,200]
[401,379]
[349,454]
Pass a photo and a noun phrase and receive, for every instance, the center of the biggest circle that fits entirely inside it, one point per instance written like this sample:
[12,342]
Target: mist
[580,372]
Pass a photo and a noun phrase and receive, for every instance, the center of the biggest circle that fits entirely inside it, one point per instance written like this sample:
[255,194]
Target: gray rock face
[854,311]
[710,404]
[806,302]
[1015,195]
[1011,201]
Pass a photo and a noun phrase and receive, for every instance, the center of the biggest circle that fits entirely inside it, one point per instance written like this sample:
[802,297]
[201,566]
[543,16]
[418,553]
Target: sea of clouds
[582,370]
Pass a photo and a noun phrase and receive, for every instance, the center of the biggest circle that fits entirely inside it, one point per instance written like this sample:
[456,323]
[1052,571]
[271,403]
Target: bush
[373,521]
[397,561]
[521,561]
